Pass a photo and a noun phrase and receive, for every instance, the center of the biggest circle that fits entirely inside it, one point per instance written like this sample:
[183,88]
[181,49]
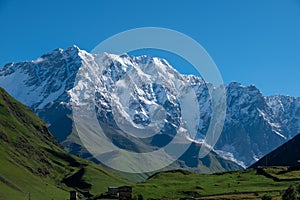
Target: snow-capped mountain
[136,92]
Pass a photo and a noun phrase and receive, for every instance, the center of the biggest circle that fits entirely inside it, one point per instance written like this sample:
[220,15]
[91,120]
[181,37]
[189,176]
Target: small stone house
[125,193]
[121,193]
[112,191]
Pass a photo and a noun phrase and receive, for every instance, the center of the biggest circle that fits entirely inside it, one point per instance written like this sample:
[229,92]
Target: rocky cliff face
[256,124]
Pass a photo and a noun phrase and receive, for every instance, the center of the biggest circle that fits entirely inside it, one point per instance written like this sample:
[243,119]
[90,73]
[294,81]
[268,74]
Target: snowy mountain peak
[134,89]
[43,79]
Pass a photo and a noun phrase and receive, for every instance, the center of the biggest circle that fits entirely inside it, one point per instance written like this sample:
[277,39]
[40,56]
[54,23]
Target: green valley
[243,184]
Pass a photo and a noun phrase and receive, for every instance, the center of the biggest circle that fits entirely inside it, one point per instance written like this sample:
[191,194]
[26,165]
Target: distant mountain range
[254,124]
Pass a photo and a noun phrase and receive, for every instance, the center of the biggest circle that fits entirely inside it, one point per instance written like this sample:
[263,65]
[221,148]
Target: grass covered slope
[33,164]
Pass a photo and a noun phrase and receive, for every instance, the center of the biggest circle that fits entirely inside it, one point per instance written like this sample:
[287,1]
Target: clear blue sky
[252,41]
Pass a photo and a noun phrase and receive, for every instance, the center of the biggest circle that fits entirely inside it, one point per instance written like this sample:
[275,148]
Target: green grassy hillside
[33,164]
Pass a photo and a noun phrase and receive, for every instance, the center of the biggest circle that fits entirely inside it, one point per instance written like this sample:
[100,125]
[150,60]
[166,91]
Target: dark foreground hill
[33,165]
[286,155]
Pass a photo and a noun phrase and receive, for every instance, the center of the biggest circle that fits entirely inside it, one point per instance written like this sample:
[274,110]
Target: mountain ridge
[251,128]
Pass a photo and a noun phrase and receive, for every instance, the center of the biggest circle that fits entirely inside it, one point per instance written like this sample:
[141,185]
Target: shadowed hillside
[286,155]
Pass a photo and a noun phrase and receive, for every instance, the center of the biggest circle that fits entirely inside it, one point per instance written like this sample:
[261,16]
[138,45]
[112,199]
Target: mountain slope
[254,124]
[287,154]
[33,163]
